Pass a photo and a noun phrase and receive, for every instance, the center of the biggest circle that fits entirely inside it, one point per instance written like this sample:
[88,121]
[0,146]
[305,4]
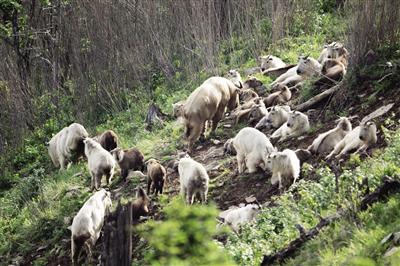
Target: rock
[251,199]
[216,142]
[213,166]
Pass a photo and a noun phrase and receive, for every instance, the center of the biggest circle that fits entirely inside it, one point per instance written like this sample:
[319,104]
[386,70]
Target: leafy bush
[305,201]
[185,237]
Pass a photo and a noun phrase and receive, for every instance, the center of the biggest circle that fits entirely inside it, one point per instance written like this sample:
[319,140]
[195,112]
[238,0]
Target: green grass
[350,240]
[305,201]
[36,204]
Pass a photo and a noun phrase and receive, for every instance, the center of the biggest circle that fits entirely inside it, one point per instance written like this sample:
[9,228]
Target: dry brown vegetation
[92,58]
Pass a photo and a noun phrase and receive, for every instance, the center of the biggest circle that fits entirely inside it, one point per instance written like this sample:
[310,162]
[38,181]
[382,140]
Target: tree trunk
[117,238]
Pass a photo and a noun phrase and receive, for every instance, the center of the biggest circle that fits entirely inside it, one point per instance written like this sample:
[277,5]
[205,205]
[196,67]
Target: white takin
[296,125]
[332,51]
[359,138]
[305,67]
[234,76]
[193,179]
[269,62]
[235,217]
[65,143]
[326,141]
[252,148]
[284,166]
[100,162]
[276,117]
[87,224]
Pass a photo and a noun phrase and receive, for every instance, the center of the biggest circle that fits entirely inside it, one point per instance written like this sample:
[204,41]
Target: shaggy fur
[284,166]
[252,148]
[234,76]
[108,140]
[130,159]
[296,125]
[177,108]
[66,144]
[87,224]
[270,62]
[208,102]
[194,180]
[238,216]
[100,162]
[140,207]
[325,142]
[156,175]
[359,138]
[275,118]
[280,97]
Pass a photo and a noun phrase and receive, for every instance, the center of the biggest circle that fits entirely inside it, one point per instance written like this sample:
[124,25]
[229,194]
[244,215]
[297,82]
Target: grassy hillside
[38,202]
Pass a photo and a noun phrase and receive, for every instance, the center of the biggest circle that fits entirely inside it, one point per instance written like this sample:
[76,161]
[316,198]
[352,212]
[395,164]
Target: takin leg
[109,176]
[194,135]
[74,252]
[124,174]
[252,161]
[203,195]
[92,181]
[241,162]
[97,183]
[217,117]
[149,181]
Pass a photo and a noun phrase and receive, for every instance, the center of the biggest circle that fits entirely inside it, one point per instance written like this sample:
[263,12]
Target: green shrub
[185,237]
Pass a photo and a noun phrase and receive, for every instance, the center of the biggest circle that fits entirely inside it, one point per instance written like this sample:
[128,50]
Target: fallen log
[316,99]
[296,244]
[389,186]
[378,112]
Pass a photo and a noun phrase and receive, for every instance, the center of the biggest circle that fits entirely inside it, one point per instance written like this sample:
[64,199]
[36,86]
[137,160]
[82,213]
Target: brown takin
[246,95]
[140,207]
[156,176]
[280,97]
[208,102]
[108,140]
[333,70]
[130,159]
[255,84]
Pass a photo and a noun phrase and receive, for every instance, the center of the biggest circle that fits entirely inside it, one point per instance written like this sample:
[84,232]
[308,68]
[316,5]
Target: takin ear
[141,193]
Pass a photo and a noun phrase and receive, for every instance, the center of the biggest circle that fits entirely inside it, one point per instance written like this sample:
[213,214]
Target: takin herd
[205,108]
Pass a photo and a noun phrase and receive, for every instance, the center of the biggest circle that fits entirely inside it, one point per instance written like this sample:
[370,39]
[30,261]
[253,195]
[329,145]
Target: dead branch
[388,187]
[318,98]
[378,112]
